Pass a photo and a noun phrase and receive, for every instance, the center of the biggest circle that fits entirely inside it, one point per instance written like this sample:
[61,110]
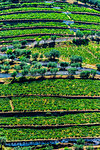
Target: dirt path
[11,104]
[92,54]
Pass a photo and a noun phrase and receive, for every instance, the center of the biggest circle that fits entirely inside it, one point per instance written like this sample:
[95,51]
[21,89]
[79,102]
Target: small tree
[9,52]
[24,59]
[12,57]
[79,34]
[33,72]
[48,147]
[41,56]
[34,62]
[80,141]
[78,147]
[28,53]
[23,43]
[35,56]
[26,67]
[85,74]
[53,37]
[14,74]
[64,65]
[3,58]
[98,33]
[98,67]
[6,68]
[76,65]
[72,71]
[17,68]
[42,71]
[22,64]
[53,54]
[54,71]
[17,52]
[24,72]
[2,141]
[75,59]
[3,49]
[6,63]
[93,73]
[38,65]
[52,65]
[80,144]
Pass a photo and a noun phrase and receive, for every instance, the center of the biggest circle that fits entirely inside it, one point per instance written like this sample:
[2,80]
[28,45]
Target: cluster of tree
[86,34]
[81,34]
[31,66]
[52,54]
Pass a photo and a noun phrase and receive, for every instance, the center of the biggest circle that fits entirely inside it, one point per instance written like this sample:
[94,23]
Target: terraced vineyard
[47,12]
[53,107]
[37,103]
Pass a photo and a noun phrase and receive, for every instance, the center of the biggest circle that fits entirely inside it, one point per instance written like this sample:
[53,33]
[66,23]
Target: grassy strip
[27,134]
[66,8]
[52,120]
[56,87]
[53,103]
[9,5]
[85,18]
[58,16]
[33,31]
[27,9]
[79,9]
[31,24]
[97,27]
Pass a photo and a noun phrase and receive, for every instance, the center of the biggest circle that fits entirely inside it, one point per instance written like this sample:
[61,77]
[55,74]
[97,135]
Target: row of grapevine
[53,103]
[33,31]
[27,134]
[58,16]
[55,87]
[85,18]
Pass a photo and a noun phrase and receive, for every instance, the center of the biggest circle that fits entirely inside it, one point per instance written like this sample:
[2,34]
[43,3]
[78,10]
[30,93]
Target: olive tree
[98,67]
[3,49]
[33,72]
[54,71]
[35,56]
[72,71]
[93,73]
[64,65]
[52,54]
[85,74]
[6,68]
[52,65]
[79,34]
[38,65]
[14,74]
[24,72]
[76,65]
[42,71]
[75,59]
[2,141]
